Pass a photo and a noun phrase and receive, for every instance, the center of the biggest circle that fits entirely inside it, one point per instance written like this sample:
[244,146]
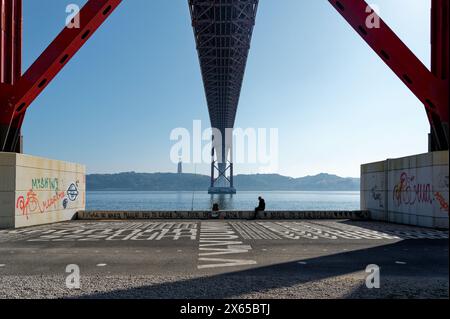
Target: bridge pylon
[222,164]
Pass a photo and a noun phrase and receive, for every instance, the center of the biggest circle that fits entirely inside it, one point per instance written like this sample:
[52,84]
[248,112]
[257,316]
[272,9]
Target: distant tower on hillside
[180,167]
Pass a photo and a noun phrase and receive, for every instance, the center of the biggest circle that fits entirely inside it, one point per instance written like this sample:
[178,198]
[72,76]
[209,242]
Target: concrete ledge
[121,215]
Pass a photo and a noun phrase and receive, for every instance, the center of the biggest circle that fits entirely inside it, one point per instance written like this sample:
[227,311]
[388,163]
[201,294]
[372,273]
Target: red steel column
[10,54]
[440,12]
[11,41]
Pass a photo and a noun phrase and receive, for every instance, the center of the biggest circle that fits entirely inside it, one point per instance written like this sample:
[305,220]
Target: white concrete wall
[36,191]
[411,190]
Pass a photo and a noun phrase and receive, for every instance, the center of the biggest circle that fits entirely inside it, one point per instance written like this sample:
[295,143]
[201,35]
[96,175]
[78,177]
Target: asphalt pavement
[223,259]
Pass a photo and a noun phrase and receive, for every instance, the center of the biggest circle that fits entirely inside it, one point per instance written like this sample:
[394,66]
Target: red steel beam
[17,100]
[440,64]
[10,41]
[432,91]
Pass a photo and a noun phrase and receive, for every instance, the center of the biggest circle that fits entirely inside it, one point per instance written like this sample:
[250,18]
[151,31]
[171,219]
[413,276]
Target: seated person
[261,206]
[215,210]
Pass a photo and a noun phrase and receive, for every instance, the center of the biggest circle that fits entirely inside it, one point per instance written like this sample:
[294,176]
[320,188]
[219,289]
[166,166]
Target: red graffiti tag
[406,192]
[53,200]
[441,200]
[30,203]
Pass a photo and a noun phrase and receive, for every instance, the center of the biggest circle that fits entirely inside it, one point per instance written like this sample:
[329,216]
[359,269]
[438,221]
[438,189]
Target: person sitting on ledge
[215,211]
[261,206]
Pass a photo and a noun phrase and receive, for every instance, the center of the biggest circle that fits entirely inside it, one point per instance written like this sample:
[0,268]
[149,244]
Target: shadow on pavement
[417,267]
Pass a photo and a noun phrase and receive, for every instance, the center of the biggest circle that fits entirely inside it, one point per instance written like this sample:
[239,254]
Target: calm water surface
[279,200]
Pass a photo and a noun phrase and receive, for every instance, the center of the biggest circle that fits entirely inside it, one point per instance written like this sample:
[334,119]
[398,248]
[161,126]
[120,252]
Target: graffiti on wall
[377,195]
[72,192]
[441,200]
[45,184]
[409,192]
[31,202]
[443,181]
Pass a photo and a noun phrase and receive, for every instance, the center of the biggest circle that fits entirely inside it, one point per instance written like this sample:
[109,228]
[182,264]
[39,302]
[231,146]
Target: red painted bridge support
[430,87]
[18,91]
[10,54]
[440,67]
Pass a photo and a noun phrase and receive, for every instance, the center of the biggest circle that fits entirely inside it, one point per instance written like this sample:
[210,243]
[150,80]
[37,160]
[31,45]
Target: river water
[275,200]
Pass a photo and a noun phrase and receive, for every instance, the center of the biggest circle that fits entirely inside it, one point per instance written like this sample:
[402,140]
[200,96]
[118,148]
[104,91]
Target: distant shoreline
[171,182]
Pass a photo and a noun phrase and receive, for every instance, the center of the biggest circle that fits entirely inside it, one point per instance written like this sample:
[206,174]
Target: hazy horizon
[201,174]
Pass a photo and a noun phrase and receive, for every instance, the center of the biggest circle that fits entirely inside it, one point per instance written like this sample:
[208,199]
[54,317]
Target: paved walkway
[224,259]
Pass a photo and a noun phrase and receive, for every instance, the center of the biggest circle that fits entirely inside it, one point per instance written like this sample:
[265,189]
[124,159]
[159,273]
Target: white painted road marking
[246,230]
[101,265]
[219,263]
[218,239]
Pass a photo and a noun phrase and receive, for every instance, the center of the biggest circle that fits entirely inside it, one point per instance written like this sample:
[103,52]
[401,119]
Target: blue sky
[335,103]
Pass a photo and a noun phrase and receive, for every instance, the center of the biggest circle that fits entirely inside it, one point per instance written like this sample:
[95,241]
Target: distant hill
[187,182]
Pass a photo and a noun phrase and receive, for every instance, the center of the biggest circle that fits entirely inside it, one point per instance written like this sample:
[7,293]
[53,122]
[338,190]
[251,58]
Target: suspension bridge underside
[223,31]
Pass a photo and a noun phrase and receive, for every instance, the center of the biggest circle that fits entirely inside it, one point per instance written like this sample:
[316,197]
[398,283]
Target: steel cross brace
[18,93]
[430,87]
[222,174]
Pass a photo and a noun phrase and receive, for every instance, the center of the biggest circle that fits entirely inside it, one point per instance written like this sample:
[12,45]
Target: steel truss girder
[16,99]
[431,88]
[223,31]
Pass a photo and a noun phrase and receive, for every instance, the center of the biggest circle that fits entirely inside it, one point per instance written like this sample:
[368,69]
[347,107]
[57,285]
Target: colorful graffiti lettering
[442,201]
[407,192]
[30,203]
[53,200]
[44,183]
